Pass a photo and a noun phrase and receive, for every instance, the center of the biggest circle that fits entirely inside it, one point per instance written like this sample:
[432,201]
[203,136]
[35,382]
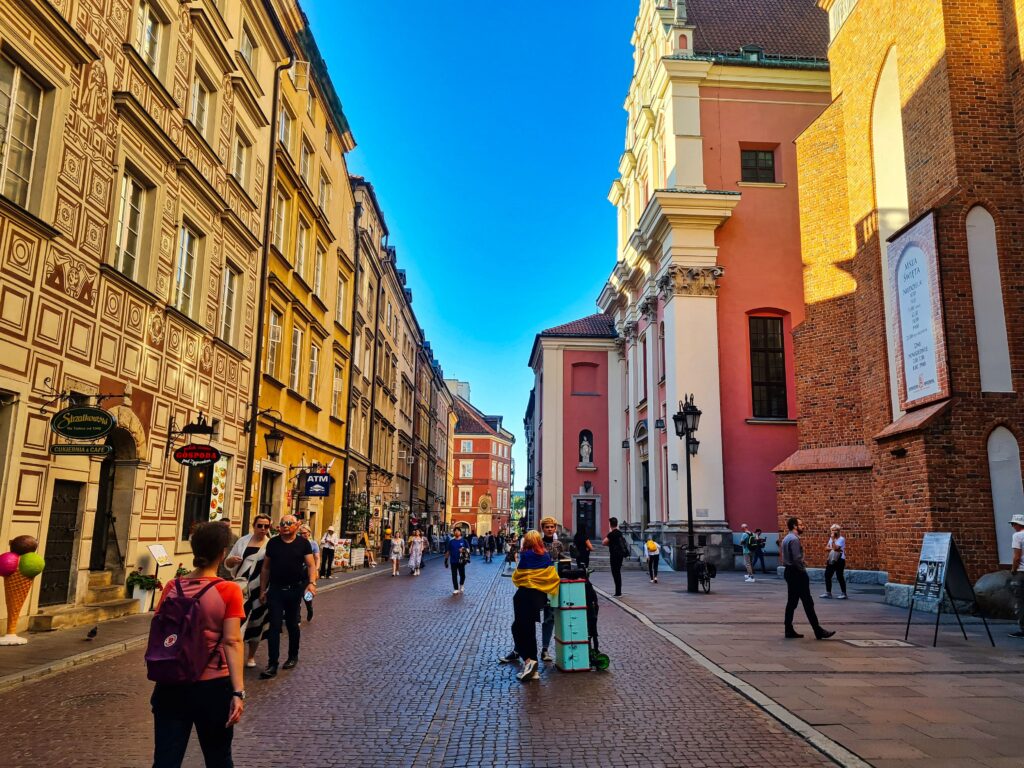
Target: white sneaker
[840,597]
[455,591]
[462,589]
[826,596]
[751,579]
[546,657]
[747,578]
[529,671]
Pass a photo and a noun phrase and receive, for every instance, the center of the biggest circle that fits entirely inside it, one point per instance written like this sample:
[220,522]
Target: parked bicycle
[705,571]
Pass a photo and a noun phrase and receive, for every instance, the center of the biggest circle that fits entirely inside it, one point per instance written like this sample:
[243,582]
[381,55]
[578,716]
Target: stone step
[80,615]
[100,578]
[104,594]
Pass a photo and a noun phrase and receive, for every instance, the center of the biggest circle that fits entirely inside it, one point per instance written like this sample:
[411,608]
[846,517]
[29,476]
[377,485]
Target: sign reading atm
[318,484]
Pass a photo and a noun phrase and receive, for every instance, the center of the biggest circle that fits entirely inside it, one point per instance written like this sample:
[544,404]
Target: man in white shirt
[1016,577]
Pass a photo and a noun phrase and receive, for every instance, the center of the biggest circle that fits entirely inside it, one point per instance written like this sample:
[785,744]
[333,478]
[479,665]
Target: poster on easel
[342,553]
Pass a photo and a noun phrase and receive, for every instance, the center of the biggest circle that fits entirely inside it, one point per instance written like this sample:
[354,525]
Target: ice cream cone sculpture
[18,567]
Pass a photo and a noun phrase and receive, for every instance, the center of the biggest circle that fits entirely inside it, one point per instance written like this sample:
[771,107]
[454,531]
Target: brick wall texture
[959,69]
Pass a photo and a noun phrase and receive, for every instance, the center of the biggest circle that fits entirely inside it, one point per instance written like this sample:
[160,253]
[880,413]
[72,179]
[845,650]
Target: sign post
[941,572]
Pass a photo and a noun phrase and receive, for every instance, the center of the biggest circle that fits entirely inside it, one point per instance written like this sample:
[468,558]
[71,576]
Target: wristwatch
[239,694]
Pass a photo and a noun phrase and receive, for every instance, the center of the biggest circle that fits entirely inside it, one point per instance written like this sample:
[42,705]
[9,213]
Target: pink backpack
[177,652]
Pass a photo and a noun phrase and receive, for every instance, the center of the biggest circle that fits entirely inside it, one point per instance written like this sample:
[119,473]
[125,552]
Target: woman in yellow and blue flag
[536,578]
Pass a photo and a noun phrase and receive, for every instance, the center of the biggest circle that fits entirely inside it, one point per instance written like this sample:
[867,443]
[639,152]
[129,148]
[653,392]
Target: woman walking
[396,551]
[417,545]
[581,541]
[306,533]
[835,561]
[245,562]
[216,700]
[536,578]
[327,546]
[653,556]
[457,554]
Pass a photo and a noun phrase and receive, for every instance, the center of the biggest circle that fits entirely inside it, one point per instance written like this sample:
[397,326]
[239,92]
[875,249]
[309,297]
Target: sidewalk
[48,653]
[891,704]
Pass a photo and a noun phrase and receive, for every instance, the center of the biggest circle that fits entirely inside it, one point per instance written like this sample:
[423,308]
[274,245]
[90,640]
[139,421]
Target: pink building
[708,282]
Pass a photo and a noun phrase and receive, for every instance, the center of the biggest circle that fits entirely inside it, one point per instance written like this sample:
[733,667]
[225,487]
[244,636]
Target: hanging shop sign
[80,449]
[194,455]
[82,422]
[318,484]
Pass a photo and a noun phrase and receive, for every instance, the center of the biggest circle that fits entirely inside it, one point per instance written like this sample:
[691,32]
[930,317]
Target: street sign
[318,484]
[194,455]
[80,449]
[82,422]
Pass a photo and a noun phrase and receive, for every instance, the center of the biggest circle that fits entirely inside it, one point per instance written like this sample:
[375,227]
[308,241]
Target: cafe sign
[82,422]
[81,449]
[194,455]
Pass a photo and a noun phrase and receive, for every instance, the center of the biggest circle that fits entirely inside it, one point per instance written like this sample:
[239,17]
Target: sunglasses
[262,526]
[285,524]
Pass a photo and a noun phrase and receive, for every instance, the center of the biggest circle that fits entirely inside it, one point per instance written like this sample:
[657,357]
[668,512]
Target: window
[768,368]
[465,497]
[757,165]
[339,305]
[324,197]
[467,446]
[280,221]
[185,270]
[229,303]
[328,140]
[300,248]
[240,164]
[305,153]
[21,100]
[198,487]
[314,372]
[129,225]
[465,468]
[148,30]
[311,104]
[296,361]
[201,97]
[284,133]
[337,385]
[318,270]
[274,343]
[247,47]
[494,470]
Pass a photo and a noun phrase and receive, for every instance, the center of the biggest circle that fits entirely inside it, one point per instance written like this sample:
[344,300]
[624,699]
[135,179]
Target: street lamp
[274,440]
[686,421]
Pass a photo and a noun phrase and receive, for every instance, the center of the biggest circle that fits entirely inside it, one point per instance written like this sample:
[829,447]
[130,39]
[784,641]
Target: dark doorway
[198,486]
[60,543]
[268,492]
[114,503]
[645,478]
[586,516]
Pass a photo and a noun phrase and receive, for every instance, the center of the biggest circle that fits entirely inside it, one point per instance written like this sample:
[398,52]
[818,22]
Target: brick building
[909,359]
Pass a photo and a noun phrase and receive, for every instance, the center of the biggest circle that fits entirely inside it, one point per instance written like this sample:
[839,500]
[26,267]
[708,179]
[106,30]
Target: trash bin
[572,641]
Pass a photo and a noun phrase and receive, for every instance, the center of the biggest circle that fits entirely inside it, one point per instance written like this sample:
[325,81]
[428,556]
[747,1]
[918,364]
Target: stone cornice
[678,280]
[649,307]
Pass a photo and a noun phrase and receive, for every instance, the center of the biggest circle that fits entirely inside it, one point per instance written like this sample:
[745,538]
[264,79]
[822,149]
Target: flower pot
[144,598]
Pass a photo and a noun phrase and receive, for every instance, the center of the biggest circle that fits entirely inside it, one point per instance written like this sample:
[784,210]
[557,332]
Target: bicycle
[705,571]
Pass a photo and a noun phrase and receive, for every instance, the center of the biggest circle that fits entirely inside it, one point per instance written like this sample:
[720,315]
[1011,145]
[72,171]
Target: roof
[473,422]
[599,326]
[790,28]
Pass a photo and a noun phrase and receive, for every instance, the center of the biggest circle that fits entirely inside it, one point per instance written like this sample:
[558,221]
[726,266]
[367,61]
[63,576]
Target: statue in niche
[586,451]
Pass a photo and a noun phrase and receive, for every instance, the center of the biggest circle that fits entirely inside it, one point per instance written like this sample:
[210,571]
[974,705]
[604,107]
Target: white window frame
[149,32]
[314,372]
[7,126]
[339,374]
[274,346]
[465,469]
[339,305]
[248,47]
[295,363]
[319,257]
[229,302]
[324,193]
[202,102]
[185,265]
[301,238]
[131,186]
[284,131]
[328,138]
[240,161]
[466,449]
[280,221]
[305,160]
[465,496]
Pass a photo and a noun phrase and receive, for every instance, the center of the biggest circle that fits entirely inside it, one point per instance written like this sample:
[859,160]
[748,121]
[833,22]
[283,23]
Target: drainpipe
[415,421]
[346,492]
[373,394]
[261,301]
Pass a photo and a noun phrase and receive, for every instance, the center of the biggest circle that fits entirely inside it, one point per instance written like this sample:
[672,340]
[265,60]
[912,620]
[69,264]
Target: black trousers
[652,565]
[527,605]
[835,569]
[616,563]
[798,588]
[326,562]
[458,574]
[176,708]
[755,555]
[283,604]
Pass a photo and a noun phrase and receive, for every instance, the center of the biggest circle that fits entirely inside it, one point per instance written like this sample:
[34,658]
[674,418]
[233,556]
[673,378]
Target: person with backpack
[457,555]
[289,572]
[195,657]
[747,560]
[618,550]
[653,556]
[757,543]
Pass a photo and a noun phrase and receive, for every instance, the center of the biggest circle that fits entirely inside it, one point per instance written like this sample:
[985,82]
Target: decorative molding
[690,281]
[628,330]
[649,307]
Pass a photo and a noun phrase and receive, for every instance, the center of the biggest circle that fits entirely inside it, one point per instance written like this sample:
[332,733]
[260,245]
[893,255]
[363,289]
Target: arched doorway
[462,526]
[1007,489]
[114,504]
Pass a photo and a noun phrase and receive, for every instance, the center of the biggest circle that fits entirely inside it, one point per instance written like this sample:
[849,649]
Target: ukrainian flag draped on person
[536,571]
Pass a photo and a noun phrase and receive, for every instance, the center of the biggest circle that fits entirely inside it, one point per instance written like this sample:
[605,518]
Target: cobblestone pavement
[399,672]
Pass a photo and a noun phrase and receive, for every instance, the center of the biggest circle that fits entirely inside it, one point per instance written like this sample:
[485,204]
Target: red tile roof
[792,28]
[595,326]
[471,421]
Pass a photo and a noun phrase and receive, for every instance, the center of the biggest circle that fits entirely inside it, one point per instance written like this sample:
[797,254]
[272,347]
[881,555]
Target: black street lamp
[274,439]
[686,421]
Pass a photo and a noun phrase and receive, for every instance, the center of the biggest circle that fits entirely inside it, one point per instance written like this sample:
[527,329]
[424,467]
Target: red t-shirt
[223,601]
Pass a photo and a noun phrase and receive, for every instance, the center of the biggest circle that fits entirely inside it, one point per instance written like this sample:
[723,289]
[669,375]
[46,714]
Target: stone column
[649,307]
[635,491]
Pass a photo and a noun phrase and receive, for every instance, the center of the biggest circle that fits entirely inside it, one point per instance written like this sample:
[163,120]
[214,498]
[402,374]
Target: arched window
[987,289]
[1007,490]
[890,171]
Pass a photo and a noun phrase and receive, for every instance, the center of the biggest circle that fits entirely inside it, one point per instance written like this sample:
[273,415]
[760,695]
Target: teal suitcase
[572,642]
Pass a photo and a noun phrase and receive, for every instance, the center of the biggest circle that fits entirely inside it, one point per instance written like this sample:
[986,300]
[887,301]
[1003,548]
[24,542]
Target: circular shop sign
[82,422]
[193,455]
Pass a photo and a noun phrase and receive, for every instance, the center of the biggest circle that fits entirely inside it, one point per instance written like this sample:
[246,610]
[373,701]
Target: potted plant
[142,588]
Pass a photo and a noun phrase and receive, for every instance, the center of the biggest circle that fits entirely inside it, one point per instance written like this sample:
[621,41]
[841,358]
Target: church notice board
[940,568]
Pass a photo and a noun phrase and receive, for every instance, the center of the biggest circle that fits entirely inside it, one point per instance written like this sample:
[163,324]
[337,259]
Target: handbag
[833,557]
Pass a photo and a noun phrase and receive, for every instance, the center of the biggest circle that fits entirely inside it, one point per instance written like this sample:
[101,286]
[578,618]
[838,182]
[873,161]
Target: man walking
[1016,576]
[555,549]
[618,550]
[747,561]
[289,571]
[490,544]
[756,545]
[798,584]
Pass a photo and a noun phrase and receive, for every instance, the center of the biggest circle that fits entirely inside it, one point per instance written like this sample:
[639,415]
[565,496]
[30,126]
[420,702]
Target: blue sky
[491,133]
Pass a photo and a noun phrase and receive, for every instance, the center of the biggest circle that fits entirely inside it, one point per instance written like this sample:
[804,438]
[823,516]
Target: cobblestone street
[399,672]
